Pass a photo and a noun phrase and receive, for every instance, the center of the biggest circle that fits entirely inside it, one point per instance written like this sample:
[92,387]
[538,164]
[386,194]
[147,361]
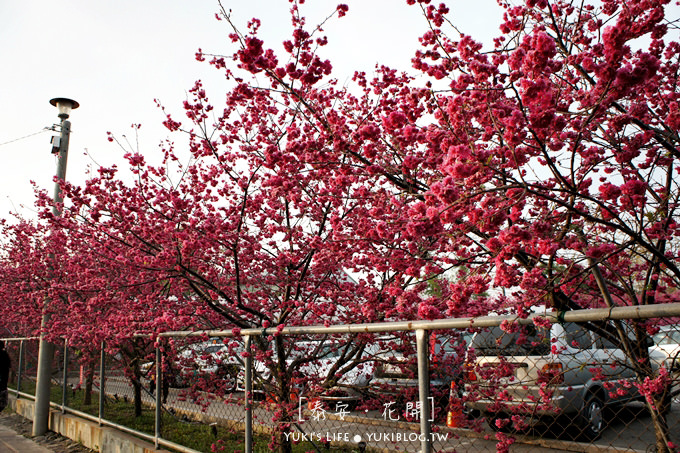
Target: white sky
[116,57]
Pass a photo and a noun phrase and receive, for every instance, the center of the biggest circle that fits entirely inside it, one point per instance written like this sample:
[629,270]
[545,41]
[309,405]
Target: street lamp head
[64,105]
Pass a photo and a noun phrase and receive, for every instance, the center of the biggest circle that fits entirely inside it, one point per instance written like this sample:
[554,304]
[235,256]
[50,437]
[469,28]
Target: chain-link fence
[75,377]
[23,353]
[607,378]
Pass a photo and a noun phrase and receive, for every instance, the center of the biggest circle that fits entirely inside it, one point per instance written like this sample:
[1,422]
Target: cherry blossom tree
[27,275]
[258,229]
[46,272]
[559,155]
[538,171]
[542,169]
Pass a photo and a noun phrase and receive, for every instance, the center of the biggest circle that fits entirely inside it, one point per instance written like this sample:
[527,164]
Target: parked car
[667,345]
[666,350]
[349,387]
[396,370]
[564,370]
[208,360]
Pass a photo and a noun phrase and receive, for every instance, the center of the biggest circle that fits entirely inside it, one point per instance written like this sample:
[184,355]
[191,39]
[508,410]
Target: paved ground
[10,441]
[15,432]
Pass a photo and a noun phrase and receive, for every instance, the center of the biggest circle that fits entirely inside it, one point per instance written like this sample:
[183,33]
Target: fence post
[21,366]
[159,393]
[422,346]
[64,385]
[102,382]
[248,377]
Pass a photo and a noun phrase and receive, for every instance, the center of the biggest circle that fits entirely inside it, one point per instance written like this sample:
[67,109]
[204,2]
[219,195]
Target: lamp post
[46,349]
[64,106]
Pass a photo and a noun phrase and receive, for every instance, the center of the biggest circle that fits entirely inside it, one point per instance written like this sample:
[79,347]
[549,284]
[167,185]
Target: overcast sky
[116,57]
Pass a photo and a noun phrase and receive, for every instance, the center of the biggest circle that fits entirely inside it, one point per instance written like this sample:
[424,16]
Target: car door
[575,355]
[611,361]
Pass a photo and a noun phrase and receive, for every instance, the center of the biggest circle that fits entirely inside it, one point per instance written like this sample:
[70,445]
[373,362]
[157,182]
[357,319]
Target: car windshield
[326,350]
[497,342]
[451,344]
[213,349]
[667,337]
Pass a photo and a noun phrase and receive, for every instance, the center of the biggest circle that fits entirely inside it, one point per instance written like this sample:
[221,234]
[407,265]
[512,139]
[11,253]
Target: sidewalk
[12,442]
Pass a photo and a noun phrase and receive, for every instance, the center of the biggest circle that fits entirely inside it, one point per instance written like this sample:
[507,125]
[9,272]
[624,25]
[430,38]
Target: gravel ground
[51,440]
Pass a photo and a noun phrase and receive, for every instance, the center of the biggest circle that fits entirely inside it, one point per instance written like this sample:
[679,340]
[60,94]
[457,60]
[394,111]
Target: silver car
[535,373]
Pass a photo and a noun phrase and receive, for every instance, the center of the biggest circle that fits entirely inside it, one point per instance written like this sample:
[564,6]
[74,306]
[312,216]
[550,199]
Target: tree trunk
[89,381]
[284,400]
[137,388]
[660,422]
[283,441]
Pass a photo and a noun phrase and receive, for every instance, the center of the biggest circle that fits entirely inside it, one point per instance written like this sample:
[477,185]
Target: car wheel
[591,420]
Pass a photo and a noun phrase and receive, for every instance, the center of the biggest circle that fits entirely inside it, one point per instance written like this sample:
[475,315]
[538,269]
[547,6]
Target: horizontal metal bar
[94,418]
[22,394]
[592,314]
[145,436]
[19,338]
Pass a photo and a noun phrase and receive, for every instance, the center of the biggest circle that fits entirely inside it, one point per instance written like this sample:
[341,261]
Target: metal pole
[61,165]
[20,366]
[590,314]
[159,391]
[43,384]
[46,349]
[64,384]
[102,382]
[422,345]
[248,377]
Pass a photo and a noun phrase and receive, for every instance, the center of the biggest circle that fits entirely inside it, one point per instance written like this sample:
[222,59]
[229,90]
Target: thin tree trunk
[137,387]
[89,381]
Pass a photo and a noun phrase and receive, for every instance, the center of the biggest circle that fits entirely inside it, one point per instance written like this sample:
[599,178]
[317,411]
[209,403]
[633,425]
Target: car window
[667,337]
[213,349]
[674,335]
[528,340]
[450,342]
[304,349]
[301,350]
[329,350]
[578,337]
[446,343]
[608,337]
[605,343]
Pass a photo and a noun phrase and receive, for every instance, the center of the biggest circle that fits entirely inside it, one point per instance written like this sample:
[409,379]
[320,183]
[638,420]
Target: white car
[396,370]
[667,344]
[208,360]
[324,356]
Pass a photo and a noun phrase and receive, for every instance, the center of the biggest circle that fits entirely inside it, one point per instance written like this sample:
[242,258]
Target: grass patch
[195,435]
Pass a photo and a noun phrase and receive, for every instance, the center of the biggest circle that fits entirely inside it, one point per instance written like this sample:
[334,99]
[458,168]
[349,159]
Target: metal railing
[251,415]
